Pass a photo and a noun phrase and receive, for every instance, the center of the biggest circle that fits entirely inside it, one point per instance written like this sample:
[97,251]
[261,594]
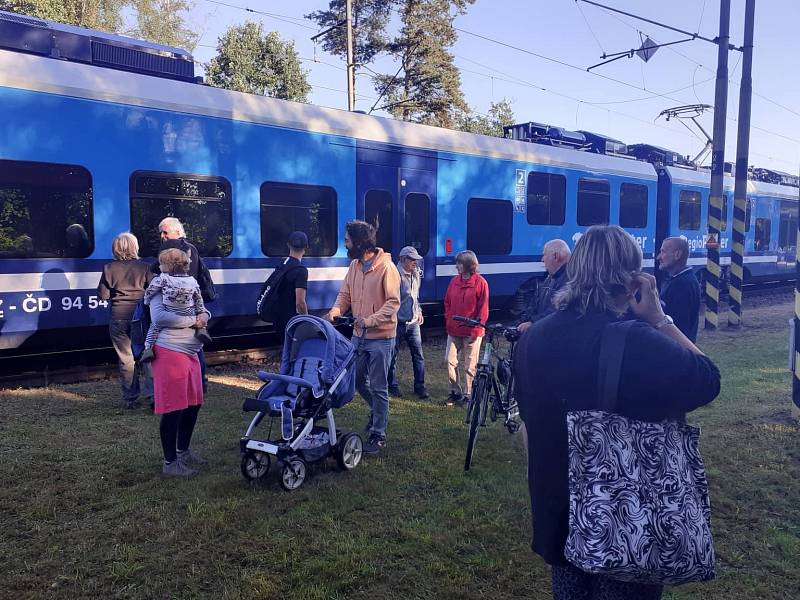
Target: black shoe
[453,399]
[423,394]
[375,444]
[147,355]
[395,391]
[202,335]
[464,400]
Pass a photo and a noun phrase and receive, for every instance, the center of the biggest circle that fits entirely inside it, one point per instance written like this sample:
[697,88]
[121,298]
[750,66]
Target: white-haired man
[555,256]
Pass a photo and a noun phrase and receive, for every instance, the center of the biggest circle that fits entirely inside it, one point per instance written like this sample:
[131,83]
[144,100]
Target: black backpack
[140,324]
[268,296]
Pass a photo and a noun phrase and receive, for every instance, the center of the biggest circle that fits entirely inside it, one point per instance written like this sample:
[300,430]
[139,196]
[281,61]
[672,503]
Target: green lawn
[84,512]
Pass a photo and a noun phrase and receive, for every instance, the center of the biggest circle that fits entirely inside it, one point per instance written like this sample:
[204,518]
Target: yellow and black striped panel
[736,276]
[713,269]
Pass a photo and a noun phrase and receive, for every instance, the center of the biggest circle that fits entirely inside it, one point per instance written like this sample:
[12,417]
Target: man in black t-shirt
[291,299]
[680,291]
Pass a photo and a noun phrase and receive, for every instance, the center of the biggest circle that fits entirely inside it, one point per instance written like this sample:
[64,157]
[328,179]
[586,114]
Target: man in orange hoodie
[371,290]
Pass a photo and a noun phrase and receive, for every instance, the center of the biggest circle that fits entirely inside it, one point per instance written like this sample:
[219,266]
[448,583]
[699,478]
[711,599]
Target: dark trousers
[413,337]
[176,430]
[570,583]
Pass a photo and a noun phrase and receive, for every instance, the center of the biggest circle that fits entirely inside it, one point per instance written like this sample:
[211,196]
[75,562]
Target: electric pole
[351,67]
[713,270]
[742,164]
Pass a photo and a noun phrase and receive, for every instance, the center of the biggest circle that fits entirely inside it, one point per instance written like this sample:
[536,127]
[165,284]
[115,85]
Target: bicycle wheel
[478,402]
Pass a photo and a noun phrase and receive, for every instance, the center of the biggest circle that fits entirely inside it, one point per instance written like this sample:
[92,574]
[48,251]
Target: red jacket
[466,298]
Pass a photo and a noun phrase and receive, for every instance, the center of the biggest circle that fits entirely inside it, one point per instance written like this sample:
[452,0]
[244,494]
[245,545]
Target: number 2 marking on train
[520,177]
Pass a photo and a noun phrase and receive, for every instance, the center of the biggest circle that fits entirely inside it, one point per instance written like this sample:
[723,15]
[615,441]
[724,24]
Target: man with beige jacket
[371,290]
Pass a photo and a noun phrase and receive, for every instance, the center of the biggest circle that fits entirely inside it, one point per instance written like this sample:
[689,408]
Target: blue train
[103,134]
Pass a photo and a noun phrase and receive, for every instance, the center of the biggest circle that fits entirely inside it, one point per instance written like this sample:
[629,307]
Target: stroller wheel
[348,451]
[255,465]
[293,474]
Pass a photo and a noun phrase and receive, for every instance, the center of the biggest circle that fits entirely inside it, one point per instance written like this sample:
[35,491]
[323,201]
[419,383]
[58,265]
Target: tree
[247,60]
[163,22]
[427,87]
[500,114]
[104,15]
[370,19]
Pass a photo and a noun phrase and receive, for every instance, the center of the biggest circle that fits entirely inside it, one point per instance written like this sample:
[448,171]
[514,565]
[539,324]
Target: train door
[396,192]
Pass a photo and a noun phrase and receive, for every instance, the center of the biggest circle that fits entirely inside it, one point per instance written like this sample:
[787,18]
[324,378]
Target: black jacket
[181,244]
[556,364]
[681,297]
[542,304]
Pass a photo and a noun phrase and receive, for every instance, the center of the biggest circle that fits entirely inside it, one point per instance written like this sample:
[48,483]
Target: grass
[85,514]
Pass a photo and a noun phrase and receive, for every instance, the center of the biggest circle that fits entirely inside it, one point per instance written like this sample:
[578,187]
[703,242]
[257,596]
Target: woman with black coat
[663,376]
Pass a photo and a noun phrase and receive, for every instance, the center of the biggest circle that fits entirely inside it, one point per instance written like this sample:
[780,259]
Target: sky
[622,99]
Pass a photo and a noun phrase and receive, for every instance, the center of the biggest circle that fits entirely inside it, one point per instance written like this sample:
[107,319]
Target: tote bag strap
[609,368]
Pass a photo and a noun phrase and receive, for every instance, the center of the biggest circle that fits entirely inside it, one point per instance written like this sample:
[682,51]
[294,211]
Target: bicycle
[494,379]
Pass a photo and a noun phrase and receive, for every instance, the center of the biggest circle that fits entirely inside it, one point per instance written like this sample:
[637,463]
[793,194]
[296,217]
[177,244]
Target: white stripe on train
[35,282]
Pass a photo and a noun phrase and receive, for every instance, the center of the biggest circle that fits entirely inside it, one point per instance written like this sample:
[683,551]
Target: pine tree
[427,88]
[370,19]
[247,60]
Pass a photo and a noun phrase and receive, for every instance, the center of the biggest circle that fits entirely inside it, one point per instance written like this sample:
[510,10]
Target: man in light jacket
[409,319]
[371,290]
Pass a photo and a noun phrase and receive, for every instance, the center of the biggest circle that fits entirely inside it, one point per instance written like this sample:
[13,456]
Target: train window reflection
[202,204]
[489,226]
[763,235]
[594,201]
[288,207]
[787,226]
[689,210]
[547,194]
[632,205]
[45,210]
[378,212]
[748,214]
[417,224]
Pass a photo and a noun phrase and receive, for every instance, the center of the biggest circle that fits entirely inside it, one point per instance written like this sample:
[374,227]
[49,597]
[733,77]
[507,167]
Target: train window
[689,210]
[489,226]
[202,205]
[417,224]
[633,205]
[288,207]
[763,234]
[748,214]
[594,199]
[547,197]
[787,226]
[45,210]
[378,212]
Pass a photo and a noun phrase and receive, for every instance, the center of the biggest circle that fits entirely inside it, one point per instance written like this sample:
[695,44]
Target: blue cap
[298,240]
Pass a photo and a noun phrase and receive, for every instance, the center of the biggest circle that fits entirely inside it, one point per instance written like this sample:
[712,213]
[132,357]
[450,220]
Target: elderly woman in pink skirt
[177,386]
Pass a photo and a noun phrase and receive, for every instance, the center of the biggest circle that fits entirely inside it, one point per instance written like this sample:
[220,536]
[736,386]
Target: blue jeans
[372,368]
[413,337]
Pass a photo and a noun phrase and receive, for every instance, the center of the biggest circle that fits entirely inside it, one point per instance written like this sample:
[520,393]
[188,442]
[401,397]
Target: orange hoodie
[373,296]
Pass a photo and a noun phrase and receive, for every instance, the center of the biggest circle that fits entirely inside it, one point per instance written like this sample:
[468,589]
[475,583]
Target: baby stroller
[316,377]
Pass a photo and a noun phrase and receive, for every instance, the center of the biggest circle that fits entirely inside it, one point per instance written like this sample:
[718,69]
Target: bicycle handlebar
[498,328]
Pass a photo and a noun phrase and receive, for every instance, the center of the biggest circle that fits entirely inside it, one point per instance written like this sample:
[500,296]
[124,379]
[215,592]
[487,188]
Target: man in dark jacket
[680,291]
[555,256]
[173,235]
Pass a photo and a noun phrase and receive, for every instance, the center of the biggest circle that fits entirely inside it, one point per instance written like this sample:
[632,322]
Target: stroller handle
[264,376]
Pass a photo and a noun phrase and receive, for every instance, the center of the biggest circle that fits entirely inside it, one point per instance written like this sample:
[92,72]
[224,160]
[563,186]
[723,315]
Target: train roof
[684,176]
[31,72]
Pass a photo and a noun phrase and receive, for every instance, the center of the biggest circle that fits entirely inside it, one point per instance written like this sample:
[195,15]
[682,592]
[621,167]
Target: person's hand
[359,324]
[201,321]
[648,306]
[523,327]
[421,319]
[328,317]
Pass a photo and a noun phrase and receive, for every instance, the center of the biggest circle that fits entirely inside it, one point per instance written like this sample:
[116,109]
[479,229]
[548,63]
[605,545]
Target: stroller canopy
[335,351]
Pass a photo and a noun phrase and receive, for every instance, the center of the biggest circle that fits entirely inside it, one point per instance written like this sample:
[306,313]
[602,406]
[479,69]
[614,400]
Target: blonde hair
[125,247]
[600,269]
[468,260]
[175,261]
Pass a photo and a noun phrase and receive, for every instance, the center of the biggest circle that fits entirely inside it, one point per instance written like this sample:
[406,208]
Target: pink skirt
[177,381]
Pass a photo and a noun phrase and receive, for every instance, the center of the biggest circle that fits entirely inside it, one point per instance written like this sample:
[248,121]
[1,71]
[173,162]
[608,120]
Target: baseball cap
[410,252]
[298,240]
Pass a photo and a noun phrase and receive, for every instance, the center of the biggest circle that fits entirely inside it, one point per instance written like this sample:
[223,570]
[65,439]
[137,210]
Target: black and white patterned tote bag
[639,508]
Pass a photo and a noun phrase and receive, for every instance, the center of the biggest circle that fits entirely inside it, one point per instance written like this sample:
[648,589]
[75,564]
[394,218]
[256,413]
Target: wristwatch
[667,320]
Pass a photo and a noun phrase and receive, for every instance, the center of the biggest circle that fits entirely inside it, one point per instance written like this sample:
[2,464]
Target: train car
[104,134]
